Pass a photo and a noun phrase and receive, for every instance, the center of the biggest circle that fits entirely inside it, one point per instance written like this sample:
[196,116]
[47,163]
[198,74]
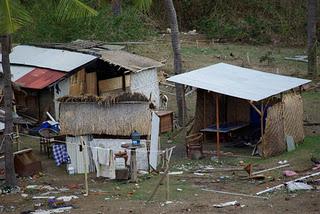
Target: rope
[94,147]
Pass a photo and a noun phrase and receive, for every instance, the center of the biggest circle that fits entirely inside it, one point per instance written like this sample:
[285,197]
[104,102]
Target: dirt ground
[185,193]
[107,196]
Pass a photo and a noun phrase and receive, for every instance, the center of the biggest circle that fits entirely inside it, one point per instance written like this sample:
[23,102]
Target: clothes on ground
[60,154]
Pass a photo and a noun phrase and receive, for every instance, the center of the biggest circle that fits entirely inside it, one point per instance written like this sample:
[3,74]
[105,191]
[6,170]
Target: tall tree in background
[12,17]
[116,7]
[312,38]
[180,95]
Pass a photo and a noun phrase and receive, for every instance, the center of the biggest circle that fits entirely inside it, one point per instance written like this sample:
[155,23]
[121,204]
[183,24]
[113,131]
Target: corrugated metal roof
[61,60]
[39,78]
[238,82]
[129,61]
[18,71]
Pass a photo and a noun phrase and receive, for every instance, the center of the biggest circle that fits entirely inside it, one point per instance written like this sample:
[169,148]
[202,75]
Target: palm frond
[143,5]
[12,16]
[72,9]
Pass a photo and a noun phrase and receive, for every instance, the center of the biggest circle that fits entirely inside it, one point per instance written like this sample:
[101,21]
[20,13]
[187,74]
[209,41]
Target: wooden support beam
[262,122]
[255,107]
[218,125]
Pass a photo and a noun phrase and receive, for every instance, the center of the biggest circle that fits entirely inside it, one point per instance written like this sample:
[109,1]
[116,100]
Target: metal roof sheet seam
[238,82]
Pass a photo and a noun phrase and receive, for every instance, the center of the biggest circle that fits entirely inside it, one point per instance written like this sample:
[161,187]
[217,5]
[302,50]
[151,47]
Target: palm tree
[12,17]
[312,38]
[180,95]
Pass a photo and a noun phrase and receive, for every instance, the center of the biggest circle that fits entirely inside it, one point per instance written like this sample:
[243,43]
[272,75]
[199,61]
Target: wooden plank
[113,84]
[92,84]
[154,140]
[255,108]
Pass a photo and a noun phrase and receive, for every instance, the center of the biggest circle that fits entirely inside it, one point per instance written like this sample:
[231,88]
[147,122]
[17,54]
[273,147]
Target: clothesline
[94,147]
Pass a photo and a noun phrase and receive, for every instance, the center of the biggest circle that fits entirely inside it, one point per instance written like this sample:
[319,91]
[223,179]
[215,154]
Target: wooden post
[167,167]
[84,149]
[204,114]
[261,121]
[133,165]
[218,125]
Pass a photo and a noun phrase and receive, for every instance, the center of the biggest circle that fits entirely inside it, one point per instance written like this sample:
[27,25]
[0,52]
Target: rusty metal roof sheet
[39,78]
[60,60]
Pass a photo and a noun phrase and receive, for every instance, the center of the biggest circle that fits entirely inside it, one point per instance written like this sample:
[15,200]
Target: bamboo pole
[204,114]
[261,122]
[218,125]
[84,148]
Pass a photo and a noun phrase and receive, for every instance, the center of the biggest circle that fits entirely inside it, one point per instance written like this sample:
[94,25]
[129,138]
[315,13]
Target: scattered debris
[67,198]
[281,185]
[283,162]
[294,186]
[290,143]
[57,210]
[40,187]
[273,168]
[289,173]
[316,167]
[197,173]
[233,193]
[298,58]
[227,204]
[176,173]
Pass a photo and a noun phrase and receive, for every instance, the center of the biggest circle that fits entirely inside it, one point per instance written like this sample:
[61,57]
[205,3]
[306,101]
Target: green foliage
[12,16]
[104,26]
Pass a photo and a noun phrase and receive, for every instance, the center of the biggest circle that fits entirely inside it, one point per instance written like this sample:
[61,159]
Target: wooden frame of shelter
[254,88]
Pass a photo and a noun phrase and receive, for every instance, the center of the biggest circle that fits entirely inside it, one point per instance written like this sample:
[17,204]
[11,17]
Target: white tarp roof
[238,82]
[60,60]
[18,71]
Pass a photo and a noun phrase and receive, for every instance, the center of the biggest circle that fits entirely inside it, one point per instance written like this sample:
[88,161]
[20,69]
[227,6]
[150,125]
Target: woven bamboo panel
[238,110]
[293,117]
[273,143]
[205,110]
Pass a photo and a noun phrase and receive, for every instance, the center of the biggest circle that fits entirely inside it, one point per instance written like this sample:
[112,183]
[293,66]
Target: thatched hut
[231,98]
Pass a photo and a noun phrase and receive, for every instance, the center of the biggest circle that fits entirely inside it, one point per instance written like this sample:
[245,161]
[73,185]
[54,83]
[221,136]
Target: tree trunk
[180,95]
[116,7]
[312,38]
[8,94]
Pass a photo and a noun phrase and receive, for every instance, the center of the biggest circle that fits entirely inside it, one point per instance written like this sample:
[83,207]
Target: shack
[231,99]
[35,72]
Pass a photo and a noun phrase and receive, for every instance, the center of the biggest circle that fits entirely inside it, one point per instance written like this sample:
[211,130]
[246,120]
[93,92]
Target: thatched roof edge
[125,97]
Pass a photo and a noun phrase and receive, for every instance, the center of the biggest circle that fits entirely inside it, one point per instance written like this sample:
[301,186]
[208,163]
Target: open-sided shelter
[230,98]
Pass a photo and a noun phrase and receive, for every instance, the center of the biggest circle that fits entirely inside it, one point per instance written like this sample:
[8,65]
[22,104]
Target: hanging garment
[60,154]
[104,162]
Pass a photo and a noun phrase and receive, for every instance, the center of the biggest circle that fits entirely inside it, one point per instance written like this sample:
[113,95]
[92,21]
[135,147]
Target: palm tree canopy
[143,5]
[13,15]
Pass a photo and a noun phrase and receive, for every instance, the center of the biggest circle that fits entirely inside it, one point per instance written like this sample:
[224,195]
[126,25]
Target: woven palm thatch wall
[273,138]
[93,118]
[293,117]
[116,115]
[205,110]
[283,118]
